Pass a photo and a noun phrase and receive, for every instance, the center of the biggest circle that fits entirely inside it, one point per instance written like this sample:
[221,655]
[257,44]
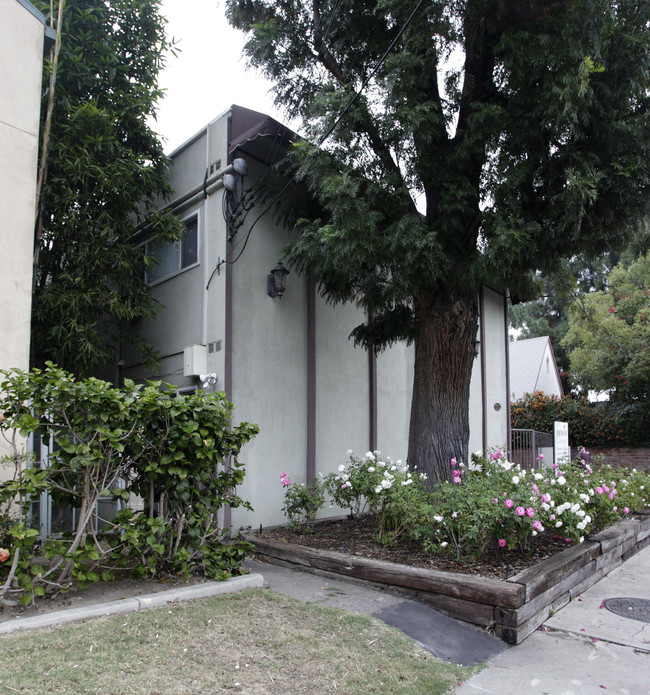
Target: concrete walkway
[583,649]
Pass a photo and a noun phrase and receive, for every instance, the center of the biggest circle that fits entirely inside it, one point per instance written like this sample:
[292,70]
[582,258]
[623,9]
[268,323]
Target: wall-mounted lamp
[275,281]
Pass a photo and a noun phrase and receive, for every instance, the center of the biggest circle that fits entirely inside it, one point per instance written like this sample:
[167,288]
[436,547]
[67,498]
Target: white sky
[208,74]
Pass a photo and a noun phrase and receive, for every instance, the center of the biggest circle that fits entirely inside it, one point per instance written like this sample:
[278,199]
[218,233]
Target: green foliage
[590,424]
[496,502]
[609,336]
[530,151]
[302,502]
[354,485]
[105,174]
[396,497]
[548,315]
[492,503]
[177,453]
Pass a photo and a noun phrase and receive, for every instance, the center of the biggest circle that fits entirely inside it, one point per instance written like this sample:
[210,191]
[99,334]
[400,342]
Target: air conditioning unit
[195,360]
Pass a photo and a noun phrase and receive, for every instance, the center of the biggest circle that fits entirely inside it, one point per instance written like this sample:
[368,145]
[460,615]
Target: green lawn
[254,642]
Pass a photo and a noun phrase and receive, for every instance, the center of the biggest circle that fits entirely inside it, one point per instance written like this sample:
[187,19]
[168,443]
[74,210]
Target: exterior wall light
[275,281]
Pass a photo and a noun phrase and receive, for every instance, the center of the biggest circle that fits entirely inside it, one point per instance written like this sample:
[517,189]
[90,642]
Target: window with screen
[172,257]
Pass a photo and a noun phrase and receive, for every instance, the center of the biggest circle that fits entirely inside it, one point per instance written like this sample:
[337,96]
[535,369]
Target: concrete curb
[160,598]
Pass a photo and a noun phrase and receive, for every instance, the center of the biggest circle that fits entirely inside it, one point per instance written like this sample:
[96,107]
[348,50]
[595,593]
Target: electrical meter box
[195,360]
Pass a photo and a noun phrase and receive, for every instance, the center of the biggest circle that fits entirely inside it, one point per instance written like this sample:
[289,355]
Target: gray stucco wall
[21,58]
[266,365]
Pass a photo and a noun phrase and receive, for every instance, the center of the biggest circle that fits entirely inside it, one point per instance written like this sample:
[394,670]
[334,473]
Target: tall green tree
[443,175]
[103,175]
[609,336]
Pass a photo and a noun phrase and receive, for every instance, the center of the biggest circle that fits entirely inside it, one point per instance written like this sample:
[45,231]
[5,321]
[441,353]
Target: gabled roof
[526,363]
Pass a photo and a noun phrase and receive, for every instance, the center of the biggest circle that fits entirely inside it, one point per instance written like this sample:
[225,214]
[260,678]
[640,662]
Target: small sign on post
[561,448]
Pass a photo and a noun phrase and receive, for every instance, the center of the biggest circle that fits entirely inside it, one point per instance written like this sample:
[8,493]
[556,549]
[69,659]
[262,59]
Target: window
[172,257]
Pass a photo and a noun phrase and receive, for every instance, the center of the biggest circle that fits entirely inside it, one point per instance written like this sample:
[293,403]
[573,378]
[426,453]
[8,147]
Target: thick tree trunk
[444,354]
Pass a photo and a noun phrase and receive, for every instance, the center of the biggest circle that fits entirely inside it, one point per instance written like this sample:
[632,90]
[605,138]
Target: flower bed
[488,507]
[512,608]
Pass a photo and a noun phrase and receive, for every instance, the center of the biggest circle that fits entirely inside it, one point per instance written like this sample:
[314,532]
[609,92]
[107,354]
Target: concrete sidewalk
[585,648]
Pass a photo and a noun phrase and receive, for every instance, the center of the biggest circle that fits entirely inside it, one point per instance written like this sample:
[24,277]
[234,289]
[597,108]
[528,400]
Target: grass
[255,642]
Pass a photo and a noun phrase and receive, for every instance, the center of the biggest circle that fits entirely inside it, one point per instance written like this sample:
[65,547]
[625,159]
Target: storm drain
[633,608]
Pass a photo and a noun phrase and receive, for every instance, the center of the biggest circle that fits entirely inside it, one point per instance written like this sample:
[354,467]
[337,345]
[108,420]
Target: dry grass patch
[254,642]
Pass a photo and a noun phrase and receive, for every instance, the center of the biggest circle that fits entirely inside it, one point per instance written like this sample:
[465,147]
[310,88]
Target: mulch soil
[357,536]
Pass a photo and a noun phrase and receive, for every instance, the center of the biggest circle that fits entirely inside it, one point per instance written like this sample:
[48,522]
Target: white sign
[562,450]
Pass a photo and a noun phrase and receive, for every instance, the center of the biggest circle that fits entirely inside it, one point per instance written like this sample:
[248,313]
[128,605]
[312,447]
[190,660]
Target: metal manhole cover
[633,608]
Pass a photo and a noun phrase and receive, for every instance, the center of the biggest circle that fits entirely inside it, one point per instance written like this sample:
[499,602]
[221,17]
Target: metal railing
[527,446]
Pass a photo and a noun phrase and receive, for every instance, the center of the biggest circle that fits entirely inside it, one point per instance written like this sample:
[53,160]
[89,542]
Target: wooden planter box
[512,608]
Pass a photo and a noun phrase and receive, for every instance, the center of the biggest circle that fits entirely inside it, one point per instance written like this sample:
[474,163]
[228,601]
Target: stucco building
[24,39]
[286,363]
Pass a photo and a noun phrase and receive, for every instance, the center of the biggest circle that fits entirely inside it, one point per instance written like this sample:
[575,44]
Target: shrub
[302,502]
[145,440]
[590,424]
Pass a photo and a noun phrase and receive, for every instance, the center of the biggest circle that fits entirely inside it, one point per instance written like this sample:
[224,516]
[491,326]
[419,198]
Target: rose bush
[491,501]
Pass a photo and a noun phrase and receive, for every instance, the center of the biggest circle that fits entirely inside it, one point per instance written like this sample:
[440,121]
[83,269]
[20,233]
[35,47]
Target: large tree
[488,140]
[103,174]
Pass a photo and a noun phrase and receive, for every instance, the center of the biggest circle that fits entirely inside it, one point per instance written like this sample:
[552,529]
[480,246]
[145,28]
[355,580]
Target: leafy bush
[491,503]
[391,492]
[590,424]
[172,451]
[302,502]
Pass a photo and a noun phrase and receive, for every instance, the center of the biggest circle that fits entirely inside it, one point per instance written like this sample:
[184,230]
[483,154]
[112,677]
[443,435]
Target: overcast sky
[208,74]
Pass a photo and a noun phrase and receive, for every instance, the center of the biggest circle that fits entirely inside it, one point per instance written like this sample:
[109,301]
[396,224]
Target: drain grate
[633,608]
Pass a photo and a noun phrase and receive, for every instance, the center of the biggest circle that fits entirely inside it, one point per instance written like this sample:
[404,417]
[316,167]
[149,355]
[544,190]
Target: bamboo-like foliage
[102,174]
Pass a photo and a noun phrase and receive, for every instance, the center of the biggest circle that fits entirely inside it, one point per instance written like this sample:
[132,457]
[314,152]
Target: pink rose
[502,542]
[530,511]
[509,503]
[4,554]
[520,511]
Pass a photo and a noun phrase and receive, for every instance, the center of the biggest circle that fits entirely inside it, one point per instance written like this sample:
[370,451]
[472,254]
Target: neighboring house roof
[533,368]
